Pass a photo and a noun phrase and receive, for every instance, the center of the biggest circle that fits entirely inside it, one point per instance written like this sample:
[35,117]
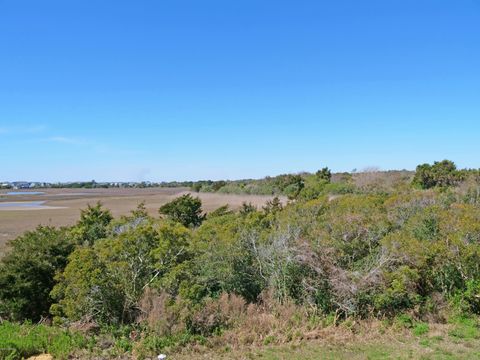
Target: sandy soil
[62,206]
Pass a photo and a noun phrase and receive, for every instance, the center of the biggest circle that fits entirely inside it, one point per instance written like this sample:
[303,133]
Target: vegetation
[347,251]
[442,173]
[185,210]
[27,272]
[22,341]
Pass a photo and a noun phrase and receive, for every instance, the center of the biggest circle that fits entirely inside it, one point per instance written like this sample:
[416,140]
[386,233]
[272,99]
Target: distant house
[5,185]
[20,185]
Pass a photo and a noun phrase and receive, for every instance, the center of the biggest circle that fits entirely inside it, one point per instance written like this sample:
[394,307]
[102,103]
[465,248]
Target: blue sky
[177,89]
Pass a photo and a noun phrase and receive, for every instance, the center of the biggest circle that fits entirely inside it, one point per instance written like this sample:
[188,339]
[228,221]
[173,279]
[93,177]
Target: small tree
[247,208]
[27,272]
[105,281]
[273,206]
[324,174]
[443,173]
[185,210]
[291,185]
[93,224]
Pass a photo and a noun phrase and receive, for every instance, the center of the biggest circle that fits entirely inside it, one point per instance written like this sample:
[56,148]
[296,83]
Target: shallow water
[25,193]
[22,204]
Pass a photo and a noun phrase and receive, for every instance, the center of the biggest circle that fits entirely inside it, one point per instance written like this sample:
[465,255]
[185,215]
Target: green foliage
[104,282]
[171,256]
[22,341]
[93,225]
[340,188]
[273,206]
[465,327]
[354,225]
[404,321]
[247,208]
[291,185]
[221,211]
[420,329]
[324,174]
[443,173]
[225,257]
[85,289]
[436,243]
[185,210]
[315,186]
[341,249]
[469,297]
[27,272]
[400,291]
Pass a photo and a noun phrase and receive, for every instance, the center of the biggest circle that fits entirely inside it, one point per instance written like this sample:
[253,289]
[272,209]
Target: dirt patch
[41,357]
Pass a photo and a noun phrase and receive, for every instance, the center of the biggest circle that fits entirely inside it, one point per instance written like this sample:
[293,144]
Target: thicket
[367,246]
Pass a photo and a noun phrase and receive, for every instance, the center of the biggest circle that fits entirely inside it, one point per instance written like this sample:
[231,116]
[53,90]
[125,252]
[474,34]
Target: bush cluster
[338,249]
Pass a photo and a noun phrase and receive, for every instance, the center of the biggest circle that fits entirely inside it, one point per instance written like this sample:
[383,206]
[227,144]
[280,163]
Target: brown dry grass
[119,201]
[362,340]
[270,330]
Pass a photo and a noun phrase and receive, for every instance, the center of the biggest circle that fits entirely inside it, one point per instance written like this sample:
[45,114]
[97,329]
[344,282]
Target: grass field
[63,205]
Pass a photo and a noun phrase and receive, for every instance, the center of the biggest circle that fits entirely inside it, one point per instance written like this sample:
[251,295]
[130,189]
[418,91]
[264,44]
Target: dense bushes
[27,272]
[442,174]
[344,248]
[185,210]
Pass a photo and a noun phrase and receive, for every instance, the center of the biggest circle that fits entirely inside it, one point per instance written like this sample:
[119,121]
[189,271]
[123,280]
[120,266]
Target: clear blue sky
[176,89]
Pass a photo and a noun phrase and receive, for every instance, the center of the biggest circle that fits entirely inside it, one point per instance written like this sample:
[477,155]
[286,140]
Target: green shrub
[27,272]
[105,281]
[471,296]
[185,210]
[404,321]
[21,341]
[443,173]
[420,329]
[465,327]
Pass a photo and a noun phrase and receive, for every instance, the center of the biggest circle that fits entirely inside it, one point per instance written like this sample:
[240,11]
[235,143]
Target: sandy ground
[62,206]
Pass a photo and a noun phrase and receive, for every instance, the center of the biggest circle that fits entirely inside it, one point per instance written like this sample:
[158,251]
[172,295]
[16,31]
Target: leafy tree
[85,290]
[185,210]
[291,185]
[324,174]
[105,282]
[93,224]
[171,257]
[443,173]
[27,272]
[217,185]
[313,190]
[225,257]
[140,212]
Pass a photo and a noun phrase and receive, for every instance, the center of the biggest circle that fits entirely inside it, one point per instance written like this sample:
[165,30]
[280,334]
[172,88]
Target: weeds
[21,341]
